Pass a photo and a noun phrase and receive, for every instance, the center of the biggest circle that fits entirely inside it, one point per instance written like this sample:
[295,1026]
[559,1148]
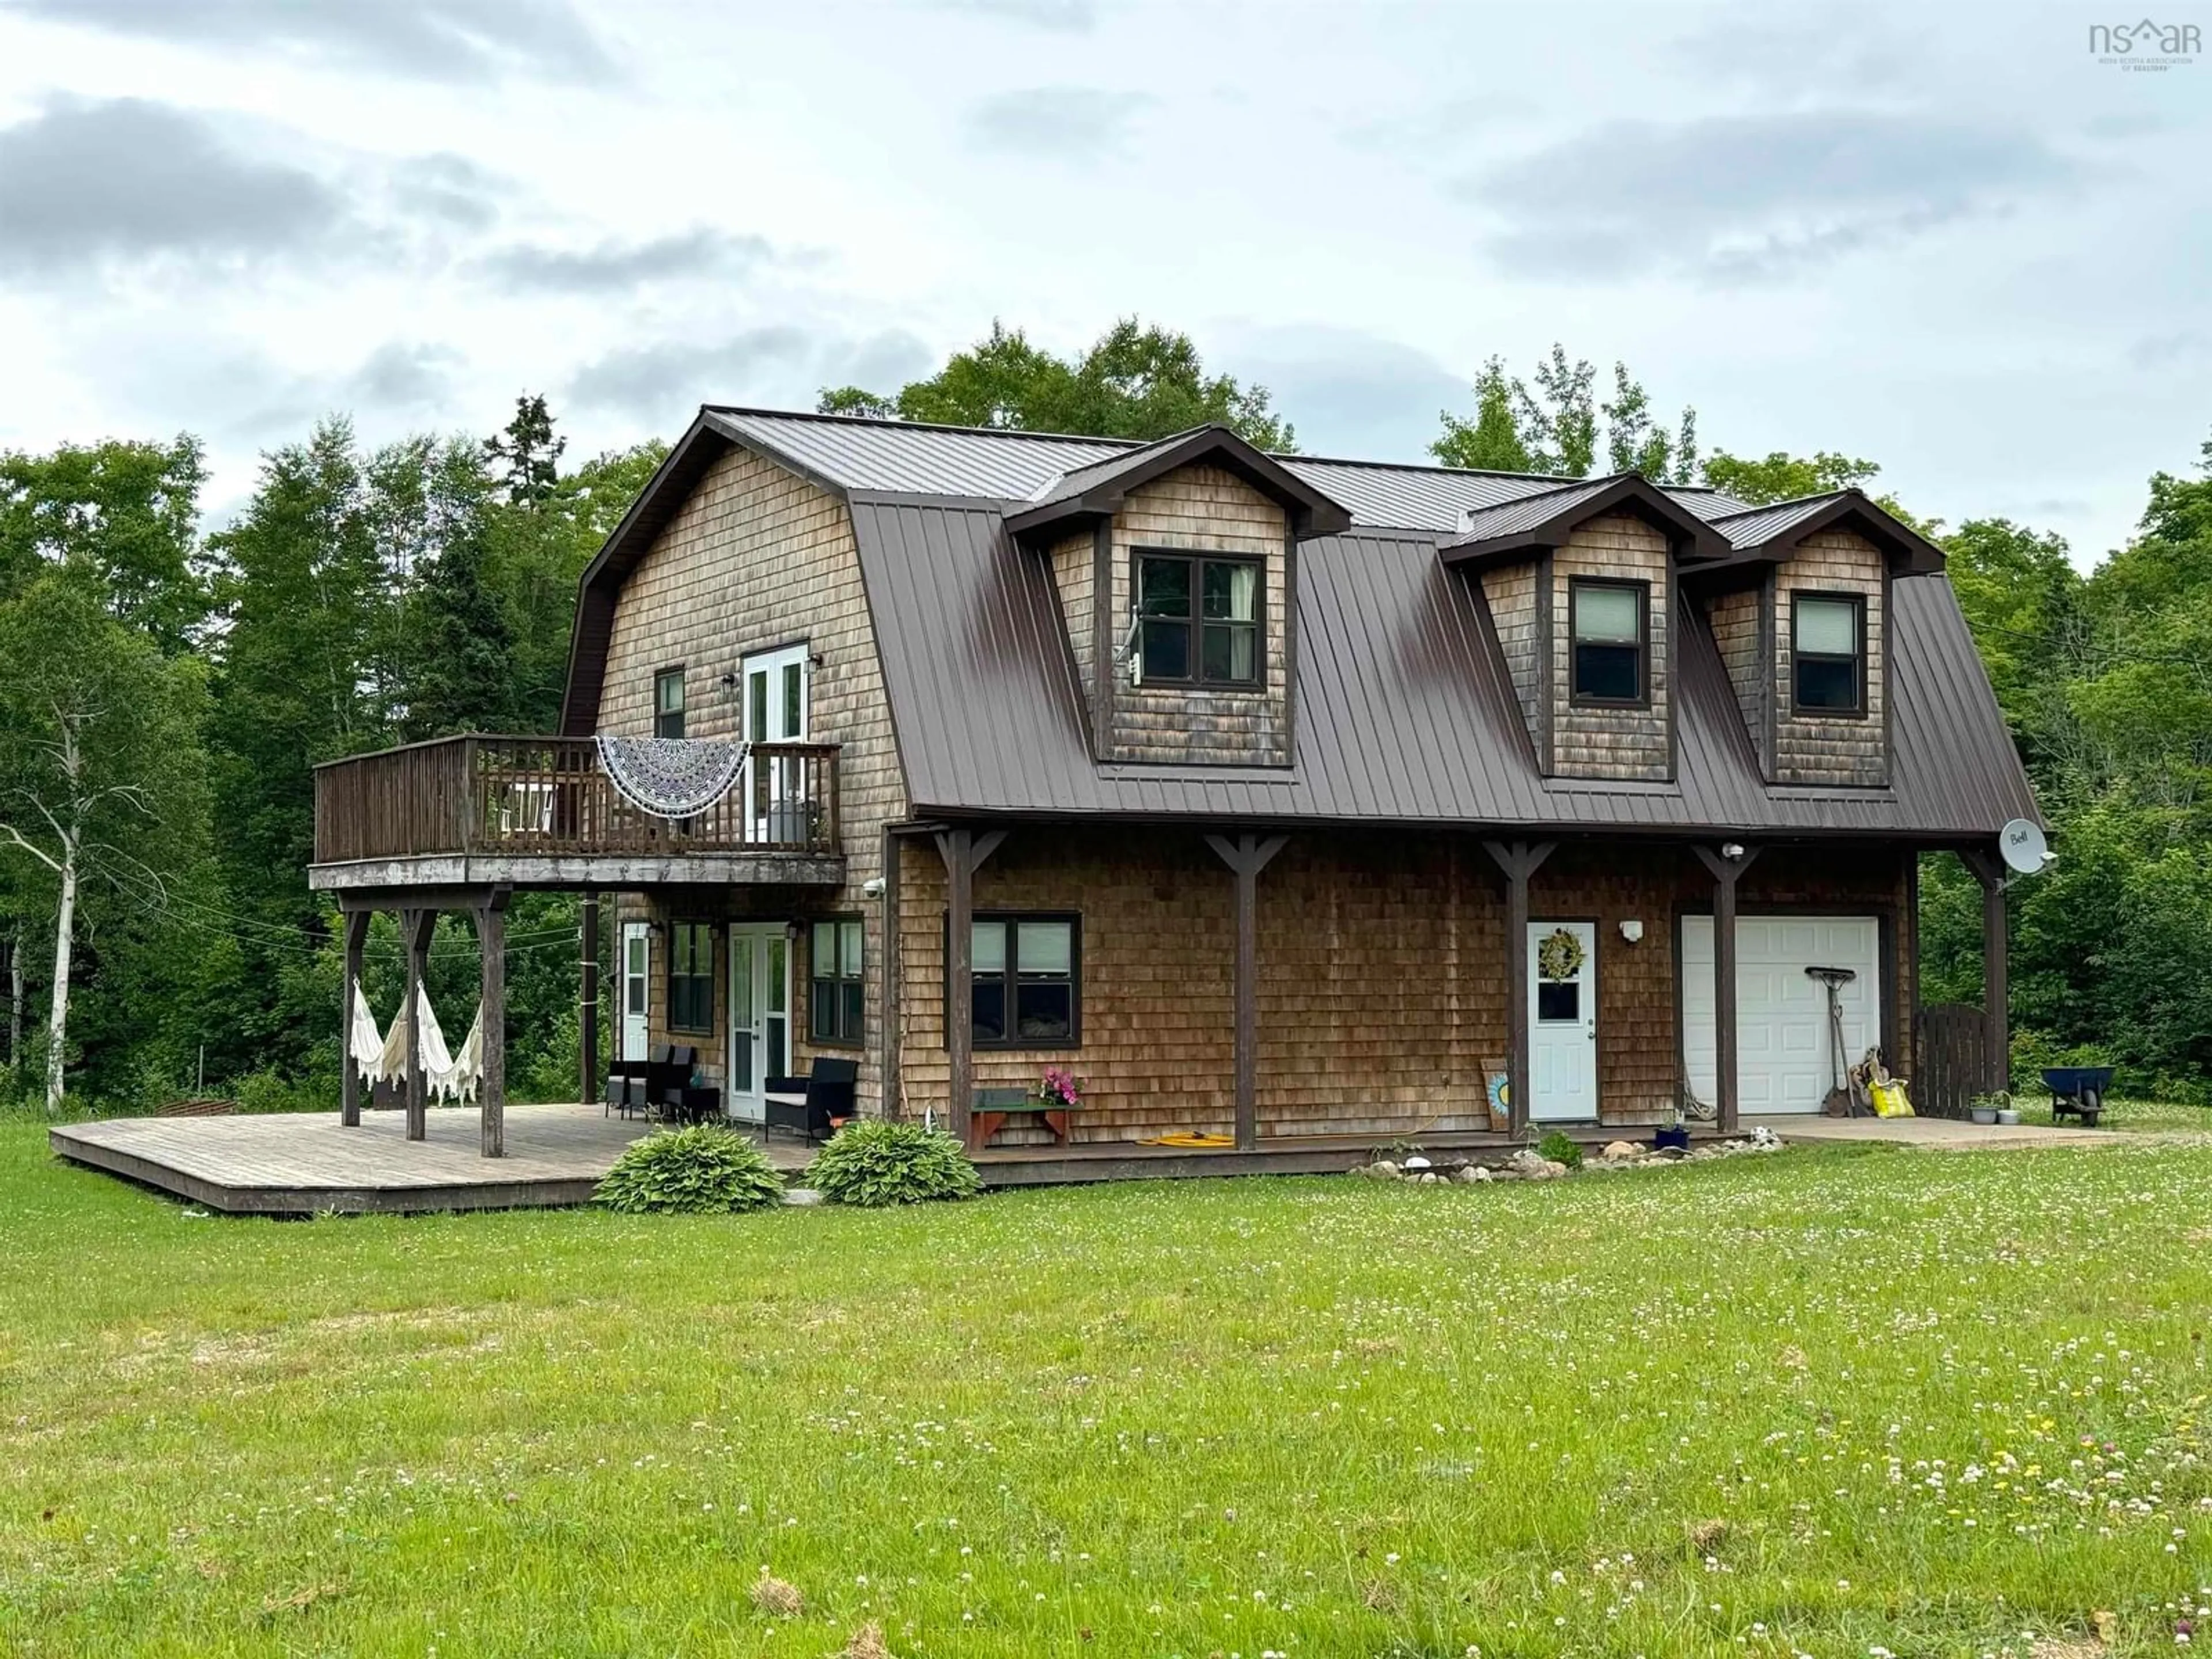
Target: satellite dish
[2023,847]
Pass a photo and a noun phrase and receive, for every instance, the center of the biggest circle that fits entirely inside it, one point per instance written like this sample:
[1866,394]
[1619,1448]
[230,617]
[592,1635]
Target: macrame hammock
[447,1076]
[672,777]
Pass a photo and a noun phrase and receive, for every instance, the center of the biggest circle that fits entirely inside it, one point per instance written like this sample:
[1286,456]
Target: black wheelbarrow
[2078,1091]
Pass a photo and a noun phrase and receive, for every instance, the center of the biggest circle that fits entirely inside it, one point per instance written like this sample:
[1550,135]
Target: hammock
[445,1076]
[366,1043]
[672,777]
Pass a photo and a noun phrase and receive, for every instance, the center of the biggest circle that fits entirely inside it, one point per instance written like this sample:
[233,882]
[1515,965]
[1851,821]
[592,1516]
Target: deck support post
[1725,870]
[1246,857]
[491,1022]
[1519,860]
[887,967]
[1996,1018]
[416,927]
[963,851]
[355,923]
[588,995]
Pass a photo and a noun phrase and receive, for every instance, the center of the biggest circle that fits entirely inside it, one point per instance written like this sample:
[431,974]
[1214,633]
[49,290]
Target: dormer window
[1199,620]
[1611,625]
[1827,636]
[668,703]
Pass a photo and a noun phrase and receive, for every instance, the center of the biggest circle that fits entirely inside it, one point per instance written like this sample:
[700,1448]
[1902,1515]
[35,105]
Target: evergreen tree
[527,453]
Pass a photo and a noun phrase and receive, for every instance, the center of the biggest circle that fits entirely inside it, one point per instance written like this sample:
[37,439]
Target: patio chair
[624,1095]
[828,1086]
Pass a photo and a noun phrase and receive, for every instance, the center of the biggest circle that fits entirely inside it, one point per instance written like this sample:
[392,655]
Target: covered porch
[460,824]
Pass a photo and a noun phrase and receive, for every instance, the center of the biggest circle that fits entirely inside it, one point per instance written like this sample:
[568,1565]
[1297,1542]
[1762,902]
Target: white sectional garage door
[1782,1016]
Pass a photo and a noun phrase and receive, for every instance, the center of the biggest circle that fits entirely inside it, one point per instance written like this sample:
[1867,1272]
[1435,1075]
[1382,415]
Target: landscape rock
[1622,1152]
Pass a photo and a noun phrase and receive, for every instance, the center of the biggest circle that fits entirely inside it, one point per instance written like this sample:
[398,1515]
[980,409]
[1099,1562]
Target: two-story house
[1302,803]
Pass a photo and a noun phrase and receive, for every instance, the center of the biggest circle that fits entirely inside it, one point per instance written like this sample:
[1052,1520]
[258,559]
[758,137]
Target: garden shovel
[1842,1100]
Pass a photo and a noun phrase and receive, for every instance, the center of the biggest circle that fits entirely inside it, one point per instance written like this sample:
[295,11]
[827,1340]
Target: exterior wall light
[1631,930]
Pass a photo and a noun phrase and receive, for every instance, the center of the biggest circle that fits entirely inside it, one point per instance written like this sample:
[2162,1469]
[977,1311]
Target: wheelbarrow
[2078,1091]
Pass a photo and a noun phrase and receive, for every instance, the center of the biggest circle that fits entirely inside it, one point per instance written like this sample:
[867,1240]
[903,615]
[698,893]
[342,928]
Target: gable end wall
[758,557]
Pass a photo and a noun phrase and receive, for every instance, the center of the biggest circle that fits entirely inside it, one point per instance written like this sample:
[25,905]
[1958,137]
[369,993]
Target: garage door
[1782,1061]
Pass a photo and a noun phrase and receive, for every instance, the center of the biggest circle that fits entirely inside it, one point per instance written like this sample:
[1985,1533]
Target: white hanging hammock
[445,1076]
[365,1043]
[672,777]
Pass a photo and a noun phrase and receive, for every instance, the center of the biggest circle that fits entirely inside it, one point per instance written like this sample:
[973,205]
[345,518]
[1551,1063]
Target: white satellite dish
[2023,847]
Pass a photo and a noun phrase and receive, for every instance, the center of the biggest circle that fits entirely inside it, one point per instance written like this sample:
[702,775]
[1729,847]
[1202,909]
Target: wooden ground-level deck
[300,1164]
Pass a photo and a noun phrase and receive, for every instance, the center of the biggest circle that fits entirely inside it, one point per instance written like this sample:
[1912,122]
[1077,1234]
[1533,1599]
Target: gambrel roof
[1404,711]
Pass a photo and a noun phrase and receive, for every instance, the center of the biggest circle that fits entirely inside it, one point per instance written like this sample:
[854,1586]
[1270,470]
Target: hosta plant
[702,1170]
[873,1163]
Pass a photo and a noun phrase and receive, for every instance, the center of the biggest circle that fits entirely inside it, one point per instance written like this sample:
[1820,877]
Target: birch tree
[101,765]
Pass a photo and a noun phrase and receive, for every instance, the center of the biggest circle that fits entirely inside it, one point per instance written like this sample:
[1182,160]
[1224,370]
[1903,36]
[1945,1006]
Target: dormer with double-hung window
[1176,567]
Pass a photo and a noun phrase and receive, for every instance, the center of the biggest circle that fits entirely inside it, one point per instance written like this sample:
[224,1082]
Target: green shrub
[701,1171]
[1561,1148]
[873,1163]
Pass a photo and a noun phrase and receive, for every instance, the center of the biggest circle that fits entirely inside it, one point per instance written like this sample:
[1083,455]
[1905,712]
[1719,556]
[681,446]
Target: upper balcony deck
[476,810]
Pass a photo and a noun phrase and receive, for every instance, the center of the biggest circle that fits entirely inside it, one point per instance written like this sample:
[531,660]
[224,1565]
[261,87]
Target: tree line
[166,690]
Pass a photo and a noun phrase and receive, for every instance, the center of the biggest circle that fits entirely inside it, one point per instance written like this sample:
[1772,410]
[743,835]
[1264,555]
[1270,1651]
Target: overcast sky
[1949,240]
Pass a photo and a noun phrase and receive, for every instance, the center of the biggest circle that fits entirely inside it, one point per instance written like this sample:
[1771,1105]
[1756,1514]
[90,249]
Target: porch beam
[491,1025]
[1725,872]
[588,995]
[416,927]
[1518,860]
[1246,857]
[963,851]
[1996,1014]
[356,937]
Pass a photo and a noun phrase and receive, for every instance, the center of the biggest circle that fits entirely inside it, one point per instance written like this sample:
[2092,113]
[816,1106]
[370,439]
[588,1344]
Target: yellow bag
[1890,1100]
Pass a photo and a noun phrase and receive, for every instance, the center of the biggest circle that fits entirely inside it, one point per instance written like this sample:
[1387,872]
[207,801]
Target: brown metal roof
[1405,714]
[1513,530]
[1098,488]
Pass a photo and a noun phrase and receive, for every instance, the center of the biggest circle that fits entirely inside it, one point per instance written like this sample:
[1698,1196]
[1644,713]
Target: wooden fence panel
[1952,1048]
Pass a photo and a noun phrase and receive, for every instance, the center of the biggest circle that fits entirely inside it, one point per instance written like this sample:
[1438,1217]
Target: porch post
[1725,870]
[491,1016]
[1519,860]
[963,852]
[887,966]
[417,926]
[356,935]
[1997,1015]
[1246,857]
[587,996]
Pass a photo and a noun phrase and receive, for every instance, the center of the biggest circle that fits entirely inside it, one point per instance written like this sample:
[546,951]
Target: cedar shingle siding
[1613,743]
[1809,749]
[1382,991]
[758,557]
[1205,509]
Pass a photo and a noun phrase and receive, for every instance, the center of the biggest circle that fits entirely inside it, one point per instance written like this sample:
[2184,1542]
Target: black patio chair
[829,1086]
[624,1095]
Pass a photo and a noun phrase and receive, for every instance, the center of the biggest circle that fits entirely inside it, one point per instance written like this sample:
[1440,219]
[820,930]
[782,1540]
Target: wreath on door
[1560,956]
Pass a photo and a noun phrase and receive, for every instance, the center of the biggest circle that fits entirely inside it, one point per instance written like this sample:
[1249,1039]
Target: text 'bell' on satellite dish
[2024,848]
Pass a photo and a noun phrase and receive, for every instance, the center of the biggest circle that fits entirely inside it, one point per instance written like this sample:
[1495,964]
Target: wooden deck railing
[535,797]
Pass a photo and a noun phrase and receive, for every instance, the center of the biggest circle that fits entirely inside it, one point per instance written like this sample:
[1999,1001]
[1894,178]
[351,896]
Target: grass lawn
[1923,1402]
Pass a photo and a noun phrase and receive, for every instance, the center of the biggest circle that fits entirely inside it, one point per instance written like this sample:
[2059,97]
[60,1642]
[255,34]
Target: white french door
[760,1015]
[775,712]
[637,990]
[1562,1021]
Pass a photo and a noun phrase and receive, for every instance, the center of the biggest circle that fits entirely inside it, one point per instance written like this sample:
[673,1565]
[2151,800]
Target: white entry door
[1562,1022]
[637,990]
[775,712]
[1785,1053]
[760,1015]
